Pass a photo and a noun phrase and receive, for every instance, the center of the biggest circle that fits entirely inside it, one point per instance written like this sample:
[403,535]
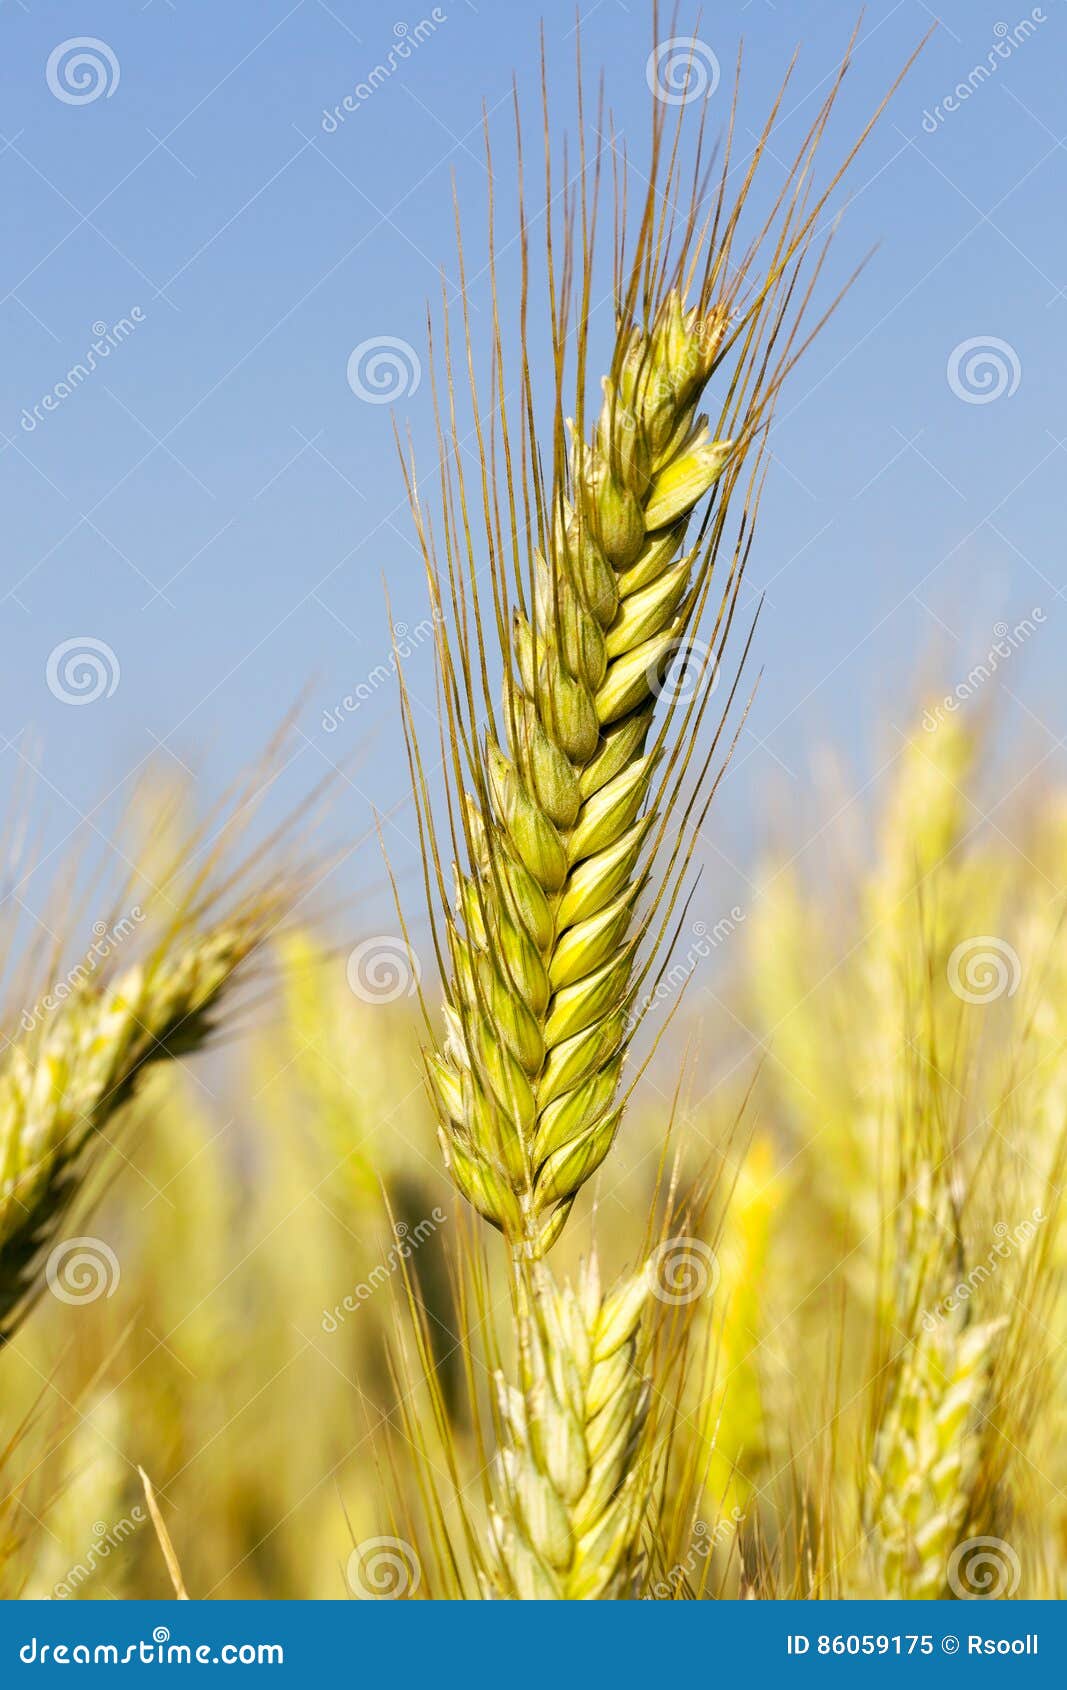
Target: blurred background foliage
[870,1067]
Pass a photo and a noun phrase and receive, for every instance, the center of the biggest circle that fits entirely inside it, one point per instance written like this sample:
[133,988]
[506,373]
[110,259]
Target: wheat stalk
[578,801]
[575,806]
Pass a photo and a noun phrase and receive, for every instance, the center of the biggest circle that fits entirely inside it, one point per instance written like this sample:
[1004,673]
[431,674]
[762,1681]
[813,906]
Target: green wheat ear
[575,790]
[543,952]
[574,806]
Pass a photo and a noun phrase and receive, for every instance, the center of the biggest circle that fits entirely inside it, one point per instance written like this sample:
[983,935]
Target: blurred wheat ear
[84,1035]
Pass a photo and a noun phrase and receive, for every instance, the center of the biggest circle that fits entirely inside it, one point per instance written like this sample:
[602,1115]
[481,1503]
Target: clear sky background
[219,508]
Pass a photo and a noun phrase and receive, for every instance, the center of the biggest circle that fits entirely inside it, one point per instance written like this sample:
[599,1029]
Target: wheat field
[485,1258]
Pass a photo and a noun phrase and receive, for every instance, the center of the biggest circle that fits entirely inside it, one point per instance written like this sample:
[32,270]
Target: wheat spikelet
[571,1482]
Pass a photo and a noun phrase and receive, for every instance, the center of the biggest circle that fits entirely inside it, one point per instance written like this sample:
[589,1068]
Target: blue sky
[218,508]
